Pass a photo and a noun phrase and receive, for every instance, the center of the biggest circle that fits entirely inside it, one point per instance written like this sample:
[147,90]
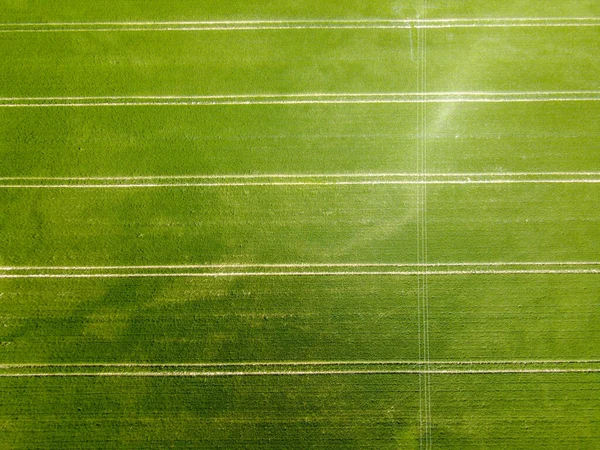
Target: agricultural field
[299,224]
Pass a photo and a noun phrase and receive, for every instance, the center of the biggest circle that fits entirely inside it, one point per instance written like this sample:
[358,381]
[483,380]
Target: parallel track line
[301,274]
[296,373]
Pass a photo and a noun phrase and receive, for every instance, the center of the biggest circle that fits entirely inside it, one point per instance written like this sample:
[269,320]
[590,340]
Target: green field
[299,224]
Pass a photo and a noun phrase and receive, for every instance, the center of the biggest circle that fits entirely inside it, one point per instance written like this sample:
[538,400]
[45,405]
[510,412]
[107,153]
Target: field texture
[299,224]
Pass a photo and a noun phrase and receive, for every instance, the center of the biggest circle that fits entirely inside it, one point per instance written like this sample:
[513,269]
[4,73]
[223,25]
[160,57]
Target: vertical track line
[423,302]
[423,409]
[425,233]
[418,212]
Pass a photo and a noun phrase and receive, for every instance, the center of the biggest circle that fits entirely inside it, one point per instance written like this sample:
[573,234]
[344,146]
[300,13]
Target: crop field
[300,224]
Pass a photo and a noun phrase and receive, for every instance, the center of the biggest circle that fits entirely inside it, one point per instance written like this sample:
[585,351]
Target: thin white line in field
[306,265]
[399,96]
[232,28]
[300,363]
[298,24]
[245,96]
[224,22]
[300,274]
[308,95]
[207,103]
[293,373]
[516,19]
[226,184]
[300,102]
[501,94]
[302,27]
[245,28]
[299,183]
[305,175]
[218,177]
[306,98]
[318,21]
[506,25]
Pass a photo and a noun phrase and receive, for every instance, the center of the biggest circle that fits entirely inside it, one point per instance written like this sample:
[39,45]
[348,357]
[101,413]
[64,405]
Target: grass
[513,137]
[519,317]
[39,10]
[188,63]
[57,324]
[16,10]
[507,59]
[215,140]
[276,412]
[209,225]
[223,320]
[513,223]
[512,411]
